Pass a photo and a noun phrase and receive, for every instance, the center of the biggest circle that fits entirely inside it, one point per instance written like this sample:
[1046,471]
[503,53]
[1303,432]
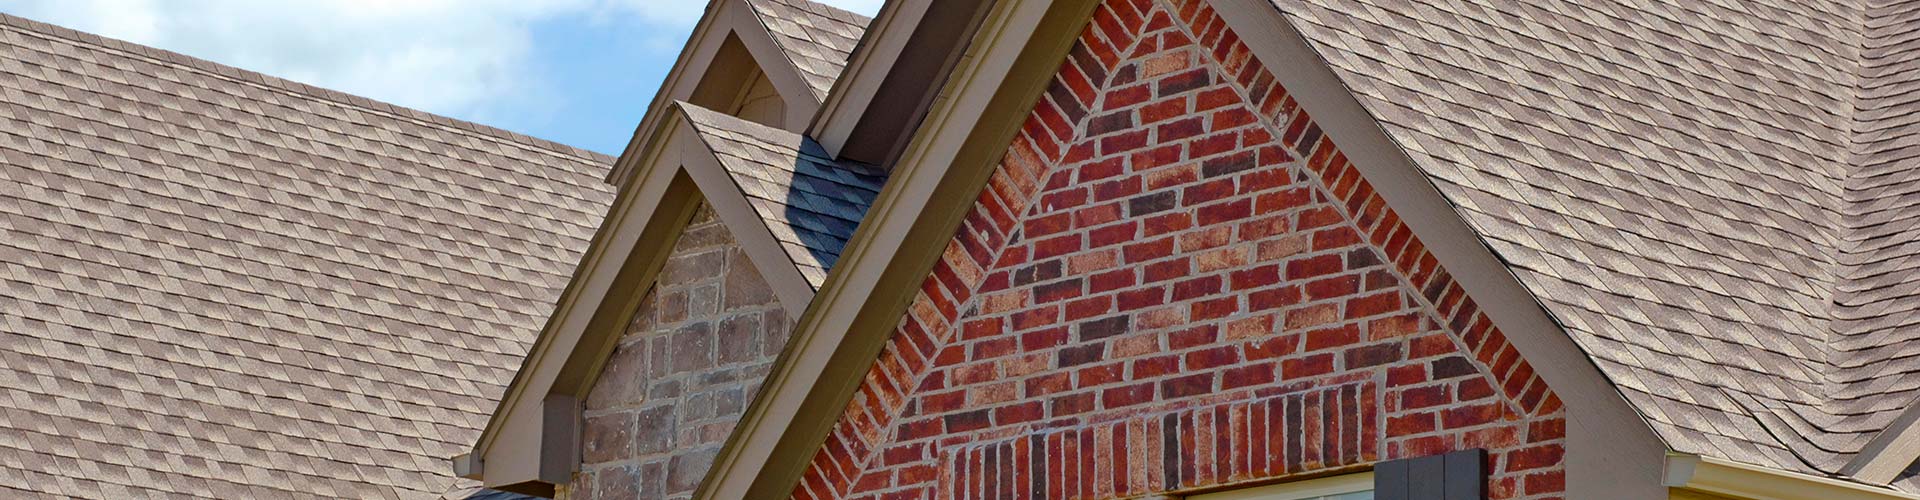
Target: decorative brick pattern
[1149,453]
[1170,234]
[698,346]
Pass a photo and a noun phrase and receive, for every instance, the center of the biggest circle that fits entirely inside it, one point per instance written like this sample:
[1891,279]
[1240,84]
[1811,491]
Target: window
[1347,487]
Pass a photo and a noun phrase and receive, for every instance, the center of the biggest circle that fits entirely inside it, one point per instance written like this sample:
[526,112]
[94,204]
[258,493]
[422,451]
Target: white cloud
[455,57]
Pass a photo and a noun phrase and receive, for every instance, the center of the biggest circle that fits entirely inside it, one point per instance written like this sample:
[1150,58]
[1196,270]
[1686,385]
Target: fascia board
[886,37]
[501,454]
[1721,477]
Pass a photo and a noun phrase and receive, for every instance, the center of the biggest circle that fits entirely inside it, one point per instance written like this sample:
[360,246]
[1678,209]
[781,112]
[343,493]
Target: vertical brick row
[1092,461]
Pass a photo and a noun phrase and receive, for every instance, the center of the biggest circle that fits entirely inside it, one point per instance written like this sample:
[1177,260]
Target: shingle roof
[816,37]
[1719,200]
[811,203]
[219,284]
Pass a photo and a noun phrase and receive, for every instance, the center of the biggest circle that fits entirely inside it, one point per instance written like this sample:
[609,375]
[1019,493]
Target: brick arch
[1174,280]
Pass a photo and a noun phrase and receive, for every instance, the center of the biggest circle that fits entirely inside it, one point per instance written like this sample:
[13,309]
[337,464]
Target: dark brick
[1152,203]
[1227,165]
[1103,328]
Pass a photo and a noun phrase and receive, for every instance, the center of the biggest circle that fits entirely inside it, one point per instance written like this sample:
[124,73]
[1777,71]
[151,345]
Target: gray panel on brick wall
[1466,475]
[1459,475]
[1390,480]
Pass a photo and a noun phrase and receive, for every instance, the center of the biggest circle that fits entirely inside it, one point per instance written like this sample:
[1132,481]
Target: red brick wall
[682,374]
[1175,281]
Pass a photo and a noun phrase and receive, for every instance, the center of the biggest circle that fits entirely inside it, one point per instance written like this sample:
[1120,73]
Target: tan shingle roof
[219,284]
[818,38]
[811,203]
[1719,200]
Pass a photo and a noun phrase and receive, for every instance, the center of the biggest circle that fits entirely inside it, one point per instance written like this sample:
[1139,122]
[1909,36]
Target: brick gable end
[1172,281]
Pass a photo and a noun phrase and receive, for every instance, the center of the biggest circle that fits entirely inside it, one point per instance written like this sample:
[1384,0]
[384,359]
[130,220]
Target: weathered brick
[681,373]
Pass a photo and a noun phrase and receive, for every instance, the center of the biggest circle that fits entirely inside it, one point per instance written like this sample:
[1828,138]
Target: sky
[578,72]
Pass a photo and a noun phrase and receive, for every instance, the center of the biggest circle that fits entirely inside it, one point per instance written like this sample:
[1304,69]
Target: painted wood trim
[1609,446]
[1307,489]
[1890,452]
[1736,480]
[730,203]
[886,37]
[723,17]
[801,103]
[508,450]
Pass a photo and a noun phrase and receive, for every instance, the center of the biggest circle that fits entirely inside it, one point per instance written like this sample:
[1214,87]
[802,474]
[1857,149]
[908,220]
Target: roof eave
[1722,477]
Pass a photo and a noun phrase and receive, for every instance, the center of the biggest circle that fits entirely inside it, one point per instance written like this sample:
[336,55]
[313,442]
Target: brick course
[1172,281]
[698,346]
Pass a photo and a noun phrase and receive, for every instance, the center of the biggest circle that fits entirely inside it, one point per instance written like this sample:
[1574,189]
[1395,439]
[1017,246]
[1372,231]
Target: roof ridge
[295,88]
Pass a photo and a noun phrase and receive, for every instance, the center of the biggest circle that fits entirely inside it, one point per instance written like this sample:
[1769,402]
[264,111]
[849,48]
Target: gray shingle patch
[811,203]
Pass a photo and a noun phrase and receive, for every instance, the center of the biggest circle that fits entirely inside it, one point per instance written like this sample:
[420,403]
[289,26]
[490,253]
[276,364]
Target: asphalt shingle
[1719,200]
[215,283]
[810,202]
[816,37]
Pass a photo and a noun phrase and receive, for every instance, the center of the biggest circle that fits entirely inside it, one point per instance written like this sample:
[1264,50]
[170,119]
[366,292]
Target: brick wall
[697,348]
[1175,281]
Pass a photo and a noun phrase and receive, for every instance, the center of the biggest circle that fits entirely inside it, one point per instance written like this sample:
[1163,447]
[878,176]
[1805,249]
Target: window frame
[1297,490]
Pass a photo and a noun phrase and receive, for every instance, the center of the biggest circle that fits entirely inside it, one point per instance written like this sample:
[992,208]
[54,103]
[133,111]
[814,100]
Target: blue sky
[579,72]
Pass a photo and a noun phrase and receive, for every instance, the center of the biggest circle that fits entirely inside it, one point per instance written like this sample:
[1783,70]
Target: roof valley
[1880,221]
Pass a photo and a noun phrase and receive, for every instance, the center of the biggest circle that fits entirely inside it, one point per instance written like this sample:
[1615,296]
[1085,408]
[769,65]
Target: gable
[1173,251]
[782,201]
[682,371]
[1721,221]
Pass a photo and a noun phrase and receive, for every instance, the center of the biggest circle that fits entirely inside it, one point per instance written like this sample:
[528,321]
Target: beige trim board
[1015,51]
[723,18]
[505,452]
[867,68]
[1890,452]
[1737,480]
[1608,442]
[532,436]
[1309,489]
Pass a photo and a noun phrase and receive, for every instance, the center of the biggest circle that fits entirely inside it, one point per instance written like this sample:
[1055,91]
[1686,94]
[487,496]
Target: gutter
[1722,477]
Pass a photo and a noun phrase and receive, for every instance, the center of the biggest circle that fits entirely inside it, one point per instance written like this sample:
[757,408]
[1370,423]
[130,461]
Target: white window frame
[1312,488]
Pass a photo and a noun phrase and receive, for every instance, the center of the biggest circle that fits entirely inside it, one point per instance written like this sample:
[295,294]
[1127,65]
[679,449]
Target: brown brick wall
[697,348]
[1174,281]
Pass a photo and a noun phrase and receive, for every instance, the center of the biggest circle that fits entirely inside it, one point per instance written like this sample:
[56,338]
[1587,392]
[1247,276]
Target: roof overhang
[531,443]
[699,57]
[1721,477]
